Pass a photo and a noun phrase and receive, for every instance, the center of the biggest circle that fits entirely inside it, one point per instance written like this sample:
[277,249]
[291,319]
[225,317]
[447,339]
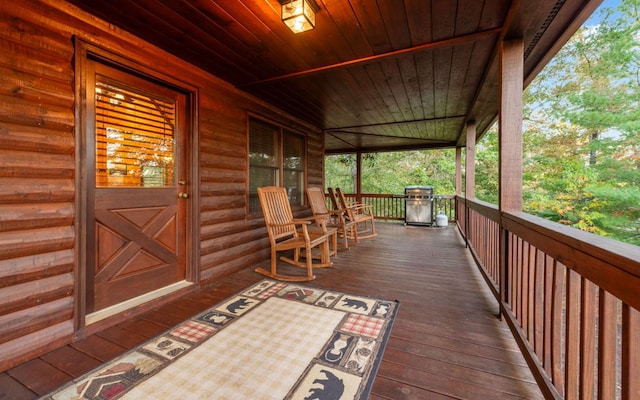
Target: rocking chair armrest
[305,221]
[319,221]
[362,207]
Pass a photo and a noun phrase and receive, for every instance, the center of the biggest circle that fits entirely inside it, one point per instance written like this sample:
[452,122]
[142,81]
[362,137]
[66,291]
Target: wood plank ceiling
[374,75]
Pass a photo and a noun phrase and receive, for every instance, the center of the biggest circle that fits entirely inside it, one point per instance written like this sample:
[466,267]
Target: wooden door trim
[129,62]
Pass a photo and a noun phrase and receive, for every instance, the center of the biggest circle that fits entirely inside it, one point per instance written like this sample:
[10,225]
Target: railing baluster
[587,340]
[557,323]
[538,311]
[572,342]
[630,353]
[607,346]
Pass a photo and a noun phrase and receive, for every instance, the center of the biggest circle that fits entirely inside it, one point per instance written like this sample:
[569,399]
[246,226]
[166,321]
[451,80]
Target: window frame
[280,133]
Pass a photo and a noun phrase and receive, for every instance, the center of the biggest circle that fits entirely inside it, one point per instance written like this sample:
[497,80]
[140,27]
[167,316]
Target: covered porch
[550,312]
[447,341]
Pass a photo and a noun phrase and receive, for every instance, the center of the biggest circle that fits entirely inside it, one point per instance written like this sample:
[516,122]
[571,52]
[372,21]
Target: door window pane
[134,137]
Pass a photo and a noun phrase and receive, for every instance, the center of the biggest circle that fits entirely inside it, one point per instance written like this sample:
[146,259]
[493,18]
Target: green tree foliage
[391,172]
[586,106]
[581,132]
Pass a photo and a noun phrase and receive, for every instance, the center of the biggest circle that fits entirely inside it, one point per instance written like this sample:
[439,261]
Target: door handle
[183,195]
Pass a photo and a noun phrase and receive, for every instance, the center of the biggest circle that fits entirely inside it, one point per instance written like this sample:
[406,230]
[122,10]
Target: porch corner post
[470,161]
[458,170]
[511,78]
[470,174]
[359,177]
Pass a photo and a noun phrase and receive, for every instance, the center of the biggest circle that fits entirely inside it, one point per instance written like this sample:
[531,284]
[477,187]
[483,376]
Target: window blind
[134,136]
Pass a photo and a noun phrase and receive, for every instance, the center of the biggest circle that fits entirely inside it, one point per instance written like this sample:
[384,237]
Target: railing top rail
[622,255]
[609,263]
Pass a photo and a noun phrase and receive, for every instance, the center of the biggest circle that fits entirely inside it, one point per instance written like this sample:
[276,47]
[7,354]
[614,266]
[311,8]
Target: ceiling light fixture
[299,15]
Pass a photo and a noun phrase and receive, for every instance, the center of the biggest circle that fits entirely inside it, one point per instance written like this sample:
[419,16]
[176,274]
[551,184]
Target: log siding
[40,217]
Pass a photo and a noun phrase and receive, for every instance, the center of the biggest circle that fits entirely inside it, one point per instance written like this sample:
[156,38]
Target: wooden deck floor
[446,342]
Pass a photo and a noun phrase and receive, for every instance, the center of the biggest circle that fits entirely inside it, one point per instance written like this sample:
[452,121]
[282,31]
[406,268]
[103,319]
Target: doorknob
[183,195]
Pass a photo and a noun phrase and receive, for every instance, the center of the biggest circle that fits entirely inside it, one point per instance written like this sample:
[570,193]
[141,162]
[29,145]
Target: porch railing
[390,207]
[571,299]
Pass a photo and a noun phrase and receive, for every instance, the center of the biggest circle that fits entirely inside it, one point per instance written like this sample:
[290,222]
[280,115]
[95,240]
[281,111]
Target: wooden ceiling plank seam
[411,83]
[468,16]
[241,42]
[394,79]
[480,57]
[225,23]
[409,87]
[442,58]
[335,103]
[367,87]
[346,83]
[394,18]
[419,21]
[425,74]
[458,78]
[378,79]
[444,18]
[298,102]
[342,15]
[494,13]
[235,53]
[369,18]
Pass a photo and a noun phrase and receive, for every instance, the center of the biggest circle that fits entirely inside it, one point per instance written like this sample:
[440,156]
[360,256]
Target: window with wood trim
[276,158]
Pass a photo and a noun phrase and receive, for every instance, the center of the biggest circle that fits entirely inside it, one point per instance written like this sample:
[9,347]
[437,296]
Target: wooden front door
[137,192]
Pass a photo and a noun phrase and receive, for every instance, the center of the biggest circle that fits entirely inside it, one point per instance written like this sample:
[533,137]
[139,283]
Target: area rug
[273,340]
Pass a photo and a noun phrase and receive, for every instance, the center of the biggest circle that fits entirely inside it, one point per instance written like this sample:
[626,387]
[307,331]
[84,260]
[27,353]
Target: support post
[470,161]
[509,146]
[510,128]
[458,171]
[359,177]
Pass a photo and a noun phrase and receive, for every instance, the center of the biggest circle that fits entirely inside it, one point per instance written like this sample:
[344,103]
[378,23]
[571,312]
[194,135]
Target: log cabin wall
[39,215]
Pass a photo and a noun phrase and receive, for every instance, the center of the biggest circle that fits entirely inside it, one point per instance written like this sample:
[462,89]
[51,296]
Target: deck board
[447,341]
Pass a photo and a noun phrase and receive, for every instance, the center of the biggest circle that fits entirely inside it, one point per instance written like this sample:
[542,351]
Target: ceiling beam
[396,123]
[385,149]
[427,46]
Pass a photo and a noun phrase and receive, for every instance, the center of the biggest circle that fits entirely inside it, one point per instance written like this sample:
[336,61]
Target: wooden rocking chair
[336,218]
[285,235]
[361,214]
